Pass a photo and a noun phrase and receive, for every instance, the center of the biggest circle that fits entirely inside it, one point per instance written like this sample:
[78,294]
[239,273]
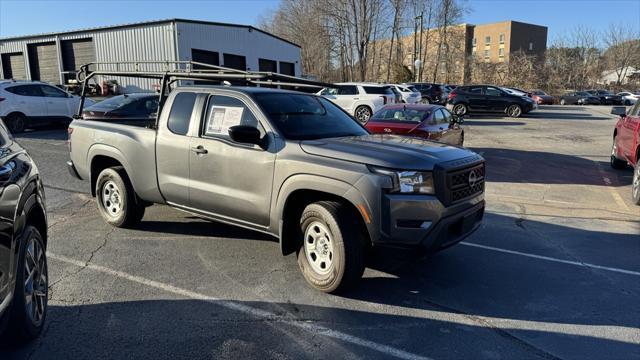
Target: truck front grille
[465,183]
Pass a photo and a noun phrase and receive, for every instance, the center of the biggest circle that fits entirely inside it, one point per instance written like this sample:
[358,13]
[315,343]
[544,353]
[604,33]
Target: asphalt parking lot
[553,273]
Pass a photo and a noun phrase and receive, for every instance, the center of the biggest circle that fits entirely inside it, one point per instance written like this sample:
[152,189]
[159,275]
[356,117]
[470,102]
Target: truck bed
[132,146]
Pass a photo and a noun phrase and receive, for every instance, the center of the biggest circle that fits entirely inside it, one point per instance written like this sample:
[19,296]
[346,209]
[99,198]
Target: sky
[25,17]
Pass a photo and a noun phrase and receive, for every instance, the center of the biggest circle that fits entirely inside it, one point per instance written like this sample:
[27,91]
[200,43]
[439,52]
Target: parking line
[541,257]
[259,313]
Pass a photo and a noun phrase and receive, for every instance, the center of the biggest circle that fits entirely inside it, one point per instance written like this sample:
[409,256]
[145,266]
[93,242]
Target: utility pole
[420,53]
[416,60]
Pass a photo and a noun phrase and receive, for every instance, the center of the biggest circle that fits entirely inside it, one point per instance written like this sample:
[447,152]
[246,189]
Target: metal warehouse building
[55,57]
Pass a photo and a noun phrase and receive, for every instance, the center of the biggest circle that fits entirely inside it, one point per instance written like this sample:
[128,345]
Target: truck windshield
[307,117]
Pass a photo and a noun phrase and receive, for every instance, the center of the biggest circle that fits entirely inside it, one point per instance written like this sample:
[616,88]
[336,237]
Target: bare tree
[623,44]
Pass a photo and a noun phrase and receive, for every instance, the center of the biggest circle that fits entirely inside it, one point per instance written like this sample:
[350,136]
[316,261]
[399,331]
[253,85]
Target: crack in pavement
[86,263]
[72,214]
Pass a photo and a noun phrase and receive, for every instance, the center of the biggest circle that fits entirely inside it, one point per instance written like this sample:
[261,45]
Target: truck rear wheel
[331,256]
[116,198]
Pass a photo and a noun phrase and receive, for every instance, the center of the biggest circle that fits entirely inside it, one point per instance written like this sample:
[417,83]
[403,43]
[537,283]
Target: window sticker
[221,118]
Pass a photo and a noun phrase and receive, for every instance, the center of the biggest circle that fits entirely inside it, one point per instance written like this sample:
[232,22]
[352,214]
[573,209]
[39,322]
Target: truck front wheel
[331,256]
[116,198]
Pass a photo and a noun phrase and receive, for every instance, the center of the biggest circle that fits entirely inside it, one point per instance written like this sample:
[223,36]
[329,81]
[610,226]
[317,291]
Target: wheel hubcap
[36,282]
[318,247]
[362,114]
[111,198]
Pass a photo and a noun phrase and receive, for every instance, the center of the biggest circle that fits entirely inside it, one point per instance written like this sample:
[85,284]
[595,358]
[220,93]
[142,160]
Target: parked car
[433,122]
[288,164]
[410,95]
[26,104]
[629,98]
[431,93]
[24,278]
[135,109]
[626,145]
[487,98]
[360,99]
[542,98]
[606,97]
[579,98]
[514,91]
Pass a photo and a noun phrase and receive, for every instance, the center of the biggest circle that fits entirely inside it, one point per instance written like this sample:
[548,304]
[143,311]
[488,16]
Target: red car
[541,97]
[626,145]
[433,122]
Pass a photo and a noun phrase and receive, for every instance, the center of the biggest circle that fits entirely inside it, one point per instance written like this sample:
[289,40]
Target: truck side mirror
[619,110]
[246,135]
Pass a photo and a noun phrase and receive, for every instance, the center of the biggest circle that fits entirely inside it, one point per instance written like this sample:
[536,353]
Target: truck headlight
[408,182]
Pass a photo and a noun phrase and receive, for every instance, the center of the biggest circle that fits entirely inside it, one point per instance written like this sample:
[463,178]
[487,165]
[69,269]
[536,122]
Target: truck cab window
[180,114]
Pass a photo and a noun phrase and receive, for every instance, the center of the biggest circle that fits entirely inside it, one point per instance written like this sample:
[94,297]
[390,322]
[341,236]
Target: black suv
[431,93]
[23,241]
[487,98]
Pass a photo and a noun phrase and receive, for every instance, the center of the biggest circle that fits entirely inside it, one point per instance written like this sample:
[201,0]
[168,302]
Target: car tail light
[69,132]
[452,95]
[384,100]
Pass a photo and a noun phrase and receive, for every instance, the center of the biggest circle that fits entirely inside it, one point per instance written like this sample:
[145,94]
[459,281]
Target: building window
[500,52]
[530,46]
[501,38]
[486,53]
[487,40]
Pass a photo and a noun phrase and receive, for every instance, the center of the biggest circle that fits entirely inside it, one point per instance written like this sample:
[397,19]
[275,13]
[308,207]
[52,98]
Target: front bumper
[72,170]
[422,221]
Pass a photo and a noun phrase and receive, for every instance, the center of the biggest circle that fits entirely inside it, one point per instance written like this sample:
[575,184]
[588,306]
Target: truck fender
[111,152]
[319,184]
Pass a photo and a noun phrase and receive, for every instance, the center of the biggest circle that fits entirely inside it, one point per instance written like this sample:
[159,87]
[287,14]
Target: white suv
[360,99]
[31,103]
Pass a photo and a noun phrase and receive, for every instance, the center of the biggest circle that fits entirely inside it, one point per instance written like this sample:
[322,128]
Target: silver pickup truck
[288,164]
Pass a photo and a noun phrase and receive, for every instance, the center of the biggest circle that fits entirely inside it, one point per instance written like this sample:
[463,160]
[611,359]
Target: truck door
[229,179]
[172,147]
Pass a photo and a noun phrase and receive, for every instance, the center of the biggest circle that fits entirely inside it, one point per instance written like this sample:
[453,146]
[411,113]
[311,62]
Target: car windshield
[411,115]
[307,117]
[413,88]
[583,93]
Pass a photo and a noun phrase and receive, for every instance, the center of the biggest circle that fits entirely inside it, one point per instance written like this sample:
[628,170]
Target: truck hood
[388,151]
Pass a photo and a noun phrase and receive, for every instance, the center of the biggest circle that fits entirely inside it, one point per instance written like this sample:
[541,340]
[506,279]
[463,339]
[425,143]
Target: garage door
[287,68]
[205,57]
[43,62]
[268,65]
[76,53]
[13,66]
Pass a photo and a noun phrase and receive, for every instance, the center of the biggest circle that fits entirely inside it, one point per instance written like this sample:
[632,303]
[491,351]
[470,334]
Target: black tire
[426,100]
[460,109]
[16,123]
[363,113]
[23,327]
[514,111]
[627,102]
[635,185]
[348,247]
[615,162]
[114,183]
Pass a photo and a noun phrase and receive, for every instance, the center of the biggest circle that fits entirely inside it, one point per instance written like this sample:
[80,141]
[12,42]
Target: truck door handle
[200,150]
